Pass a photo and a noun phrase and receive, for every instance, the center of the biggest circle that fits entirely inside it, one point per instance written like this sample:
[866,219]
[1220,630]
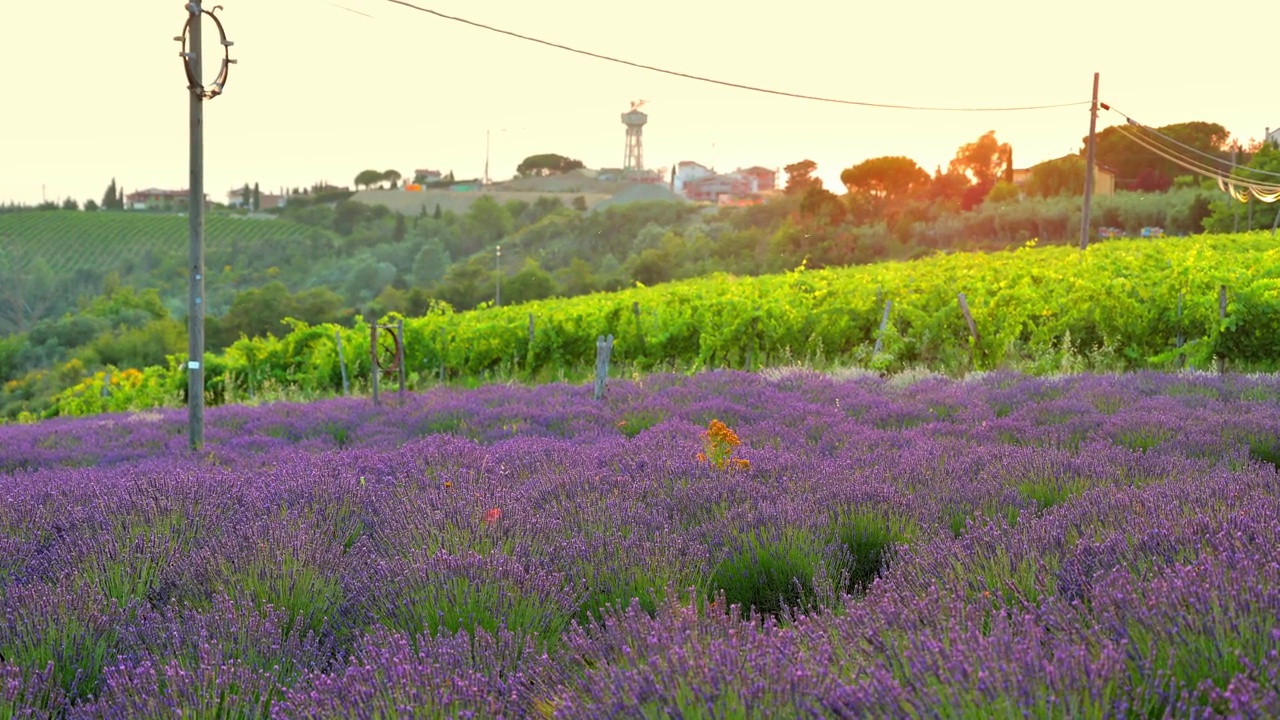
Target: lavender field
[726,545]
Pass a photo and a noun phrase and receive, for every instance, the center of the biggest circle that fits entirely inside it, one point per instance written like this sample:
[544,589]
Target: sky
[322,90]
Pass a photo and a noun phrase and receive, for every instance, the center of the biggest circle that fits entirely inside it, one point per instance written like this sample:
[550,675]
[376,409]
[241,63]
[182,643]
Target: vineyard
[103,241]
[1121,305]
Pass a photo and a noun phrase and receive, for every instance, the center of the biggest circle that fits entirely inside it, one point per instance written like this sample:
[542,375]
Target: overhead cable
[1230,184]
[1186,162]
[1193,149]
[726,83]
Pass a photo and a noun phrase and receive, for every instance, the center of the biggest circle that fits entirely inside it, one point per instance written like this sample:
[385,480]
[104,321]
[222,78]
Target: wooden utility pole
[1235,207]
[1090,159]
[192,39]
[195,217]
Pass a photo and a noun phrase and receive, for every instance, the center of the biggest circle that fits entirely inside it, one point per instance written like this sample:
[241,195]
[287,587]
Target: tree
[367,279]
[430,263]
[348,214]
[391,178]
[29,294]
[485,223]
[800,177]
[70,204]
[467,284]
[1152,180]
[1117,150]
[821,203]
[257,198]
[1002,191]
[984,161]
[577,278]
[398,233]
[886,181]
[1223,211]
[948,188]
[112,199]
[90,205]
[531,283]
[1063,176]
[368,178]
[546,164]
[246,196]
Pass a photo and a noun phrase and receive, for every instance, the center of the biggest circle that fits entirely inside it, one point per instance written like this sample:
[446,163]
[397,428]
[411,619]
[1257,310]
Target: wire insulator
[219,84]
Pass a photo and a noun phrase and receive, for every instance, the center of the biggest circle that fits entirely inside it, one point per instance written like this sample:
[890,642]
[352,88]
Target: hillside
[413,203]
[71,241]
[49,260]
[566,187]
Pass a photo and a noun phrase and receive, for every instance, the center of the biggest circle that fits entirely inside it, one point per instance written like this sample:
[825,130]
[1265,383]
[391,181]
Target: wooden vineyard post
[342,363]
[440,344]
[604,348]
[373,361]
[755,340]
[1182,357]
[528,355]
[884,323]
[635,309]
[1222,315]
[400,353]
[973,328]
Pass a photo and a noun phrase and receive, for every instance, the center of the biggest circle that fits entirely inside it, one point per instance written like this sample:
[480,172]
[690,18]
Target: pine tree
[257,198]
[397,235]
[109,197]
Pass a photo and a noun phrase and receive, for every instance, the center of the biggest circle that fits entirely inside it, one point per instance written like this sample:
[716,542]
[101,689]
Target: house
[266,201]
[1104,181]
[763,179]
[1273,136]
[426,177]
[687,171]
[163,200]
[1104,178]
[710,189]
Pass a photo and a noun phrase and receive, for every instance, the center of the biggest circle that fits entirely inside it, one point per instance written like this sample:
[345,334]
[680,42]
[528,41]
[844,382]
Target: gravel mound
[640,193]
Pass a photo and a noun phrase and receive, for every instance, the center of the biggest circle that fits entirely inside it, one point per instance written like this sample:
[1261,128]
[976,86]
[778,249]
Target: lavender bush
[726,545]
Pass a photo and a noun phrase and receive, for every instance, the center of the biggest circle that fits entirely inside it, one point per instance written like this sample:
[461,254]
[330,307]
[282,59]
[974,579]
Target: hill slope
[115,241]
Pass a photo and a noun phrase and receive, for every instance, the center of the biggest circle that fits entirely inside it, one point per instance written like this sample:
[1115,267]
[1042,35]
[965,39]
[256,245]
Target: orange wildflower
[719,442]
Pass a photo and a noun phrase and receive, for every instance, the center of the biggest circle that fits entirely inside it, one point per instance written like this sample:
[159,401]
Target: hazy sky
[94,90]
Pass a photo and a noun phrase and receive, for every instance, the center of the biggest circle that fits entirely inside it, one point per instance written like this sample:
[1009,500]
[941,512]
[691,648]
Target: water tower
[633,157]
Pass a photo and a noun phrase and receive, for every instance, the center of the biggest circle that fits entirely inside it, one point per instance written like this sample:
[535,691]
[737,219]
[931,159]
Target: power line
[725,83]
[1195,150]
[350,10]
[1265,192]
